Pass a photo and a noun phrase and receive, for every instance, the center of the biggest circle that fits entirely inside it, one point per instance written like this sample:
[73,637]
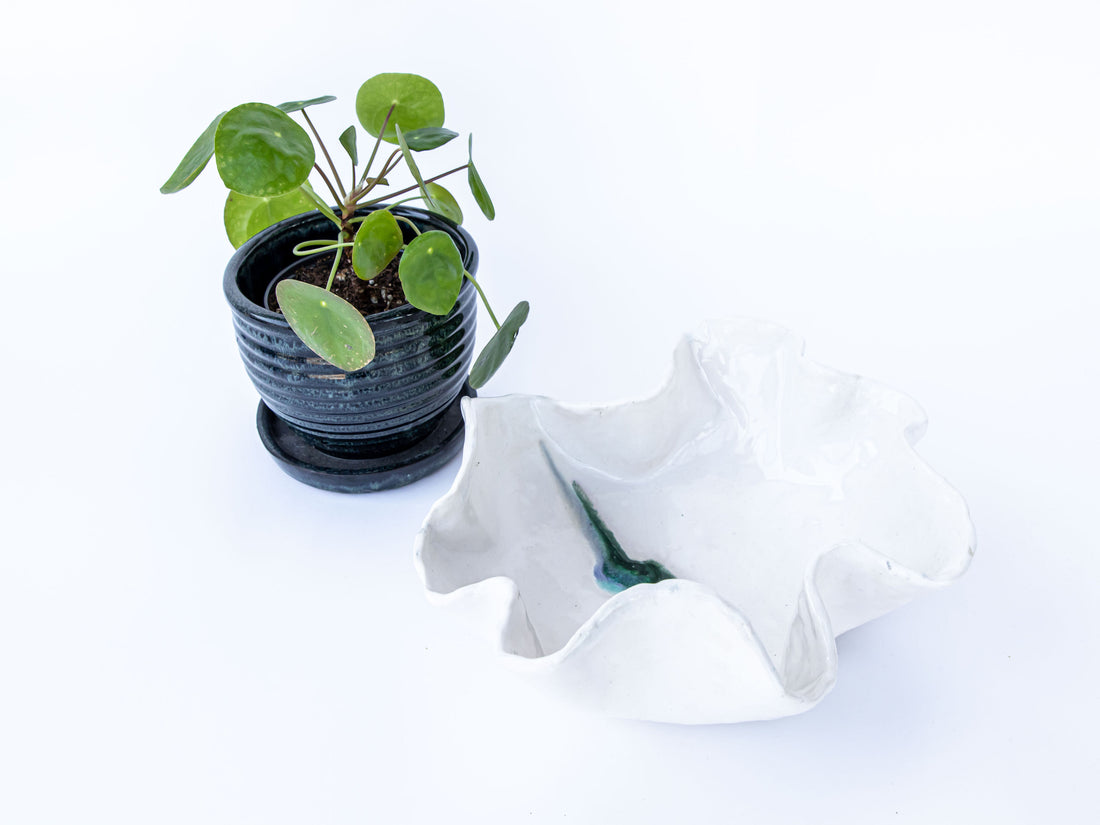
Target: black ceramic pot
[388,424]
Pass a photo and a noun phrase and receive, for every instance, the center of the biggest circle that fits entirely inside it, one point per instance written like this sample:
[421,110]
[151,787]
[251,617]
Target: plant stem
[387,167]
[313,247]
[317,250]
[377,143]
[320,204]
[392,162]
[328,183]
[336,262]
[414,186]
[403,219]
[331,165]
[484,300]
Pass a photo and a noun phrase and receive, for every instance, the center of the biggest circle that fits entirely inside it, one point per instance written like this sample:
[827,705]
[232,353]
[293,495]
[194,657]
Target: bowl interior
[740,476]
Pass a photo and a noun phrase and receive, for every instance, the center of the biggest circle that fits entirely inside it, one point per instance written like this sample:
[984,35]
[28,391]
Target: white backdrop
[187,635]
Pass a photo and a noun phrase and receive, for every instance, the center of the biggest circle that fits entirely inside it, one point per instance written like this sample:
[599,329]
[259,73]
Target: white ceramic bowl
[784,498]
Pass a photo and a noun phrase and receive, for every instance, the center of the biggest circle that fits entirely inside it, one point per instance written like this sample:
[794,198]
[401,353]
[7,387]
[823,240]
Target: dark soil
[369,297]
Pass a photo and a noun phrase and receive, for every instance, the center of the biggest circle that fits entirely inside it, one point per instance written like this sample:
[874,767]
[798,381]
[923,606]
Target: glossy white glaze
[784,496]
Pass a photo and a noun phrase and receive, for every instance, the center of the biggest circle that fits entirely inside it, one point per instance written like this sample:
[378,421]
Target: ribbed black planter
[392,422]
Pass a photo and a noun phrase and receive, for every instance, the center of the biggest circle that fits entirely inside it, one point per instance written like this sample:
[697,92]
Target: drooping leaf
[490,359]
[405,153]
[245,215]
[194,161]
[431,272]
[444,203]
[416,102]
[261,152]
[347,140]
[327,324]
[484,202]
[296,105]
[378,239]
[420,140]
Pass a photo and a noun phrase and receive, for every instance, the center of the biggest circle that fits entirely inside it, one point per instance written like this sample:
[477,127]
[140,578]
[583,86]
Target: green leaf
[416,102]
[327,324]
[444,203]
[490,359]
[405,153]
[245,215]
[296,105]
[261,152]
[377,241]
[431,272]
[194,161]
[478,188]
[347,140]
[420,140]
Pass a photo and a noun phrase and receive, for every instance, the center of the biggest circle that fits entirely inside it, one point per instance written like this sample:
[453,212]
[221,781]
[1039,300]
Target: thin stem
[392,162]
[302,253]
[328,183]
[315,246]
[414,186]
[313,242]
[307,190]
[484,300]
[387,167]
[336,261]
[371,183]
[403,219]
[331,165]
[377,143]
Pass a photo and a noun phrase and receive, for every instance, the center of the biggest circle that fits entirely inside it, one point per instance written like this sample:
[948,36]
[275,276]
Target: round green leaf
[416,102]
[245,215]
[421,140]
[377,241]
[431,272]
[194,161]
[261,152]
[327,324]
[444,203]
[296,105]
[490,359]
[481,195]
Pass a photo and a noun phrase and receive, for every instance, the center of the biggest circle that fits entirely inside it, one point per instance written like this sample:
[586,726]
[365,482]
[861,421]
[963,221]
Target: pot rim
[242,303]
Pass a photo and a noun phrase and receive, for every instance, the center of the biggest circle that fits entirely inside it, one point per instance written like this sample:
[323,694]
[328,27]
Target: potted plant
[356,321]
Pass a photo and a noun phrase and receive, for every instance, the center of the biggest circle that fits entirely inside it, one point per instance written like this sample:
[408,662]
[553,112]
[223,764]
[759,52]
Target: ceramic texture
[783,499]
[360,431]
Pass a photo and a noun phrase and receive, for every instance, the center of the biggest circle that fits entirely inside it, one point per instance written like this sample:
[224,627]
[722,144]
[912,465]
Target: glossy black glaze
[374,418]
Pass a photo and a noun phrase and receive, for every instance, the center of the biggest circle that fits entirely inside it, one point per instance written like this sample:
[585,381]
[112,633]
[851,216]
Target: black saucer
[348,474]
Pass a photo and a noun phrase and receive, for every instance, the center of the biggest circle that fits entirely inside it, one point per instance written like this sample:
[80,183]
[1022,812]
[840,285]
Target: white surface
[785,498]
[186,635]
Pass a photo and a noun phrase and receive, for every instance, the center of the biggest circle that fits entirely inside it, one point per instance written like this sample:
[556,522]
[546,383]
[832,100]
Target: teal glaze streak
[618,571]
[615,571]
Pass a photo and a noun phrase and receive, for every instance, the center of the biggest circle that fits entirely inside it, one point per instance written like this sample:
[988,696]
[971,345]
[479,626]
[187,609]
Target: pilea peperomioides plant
[265,158]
